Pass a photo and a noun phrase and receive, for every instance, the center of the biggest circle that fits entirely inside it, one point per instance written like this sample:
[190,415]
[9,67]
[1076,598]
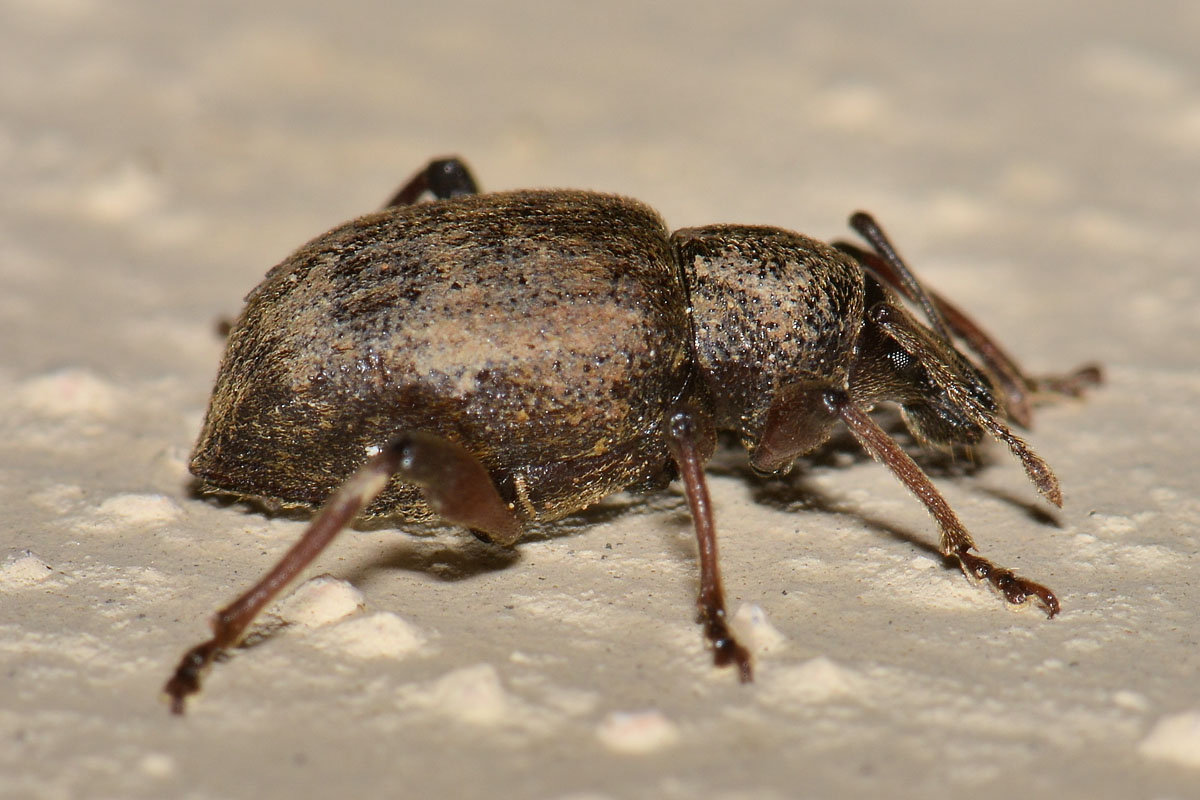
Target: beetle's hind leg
[452,481]
[443,178]
[956,542]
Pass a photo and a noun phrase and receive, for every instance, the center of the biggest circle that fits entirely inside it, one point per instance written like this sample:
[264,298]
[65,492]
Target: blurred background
[1037,162]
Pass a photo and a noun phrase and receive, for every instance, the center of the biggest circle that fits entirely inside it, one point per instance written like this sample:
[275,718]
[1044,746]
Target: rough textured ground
[1039,163]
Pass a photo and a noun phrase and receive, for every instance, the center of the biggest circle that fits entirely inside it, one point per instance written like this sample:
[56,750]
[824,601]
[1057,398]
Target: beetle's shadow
[796,492]
[430,549]
[435,549]
[270,509]
[452,554]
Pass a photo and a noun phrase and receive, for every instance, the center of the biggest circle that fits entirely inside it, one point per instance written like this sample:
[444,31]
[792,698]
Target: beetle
[491,360]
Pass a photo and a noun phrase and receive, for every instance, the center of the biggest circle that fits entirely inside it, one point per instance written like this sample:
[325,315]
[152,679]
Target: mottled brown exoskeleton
[491,360]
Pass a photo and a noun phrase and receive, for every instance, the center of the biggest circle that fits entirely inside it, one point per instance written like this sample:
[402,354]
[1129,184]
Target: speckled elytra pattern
[546,331]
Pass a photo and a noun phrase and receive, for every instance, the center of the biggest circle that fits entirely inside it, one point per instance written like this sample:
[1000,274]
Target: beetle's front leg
[685,438]
[956,541]
[452,481]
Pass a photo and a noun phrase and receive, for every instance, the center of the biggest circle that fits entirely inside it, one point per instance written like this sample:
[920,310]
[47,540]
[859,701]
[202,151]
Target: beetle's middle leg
[684,440]
[452,481]
[956,542]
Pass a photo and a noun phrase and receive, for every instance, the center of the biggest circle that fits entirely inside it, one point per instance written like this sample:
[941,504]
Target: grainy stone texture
[1038,163]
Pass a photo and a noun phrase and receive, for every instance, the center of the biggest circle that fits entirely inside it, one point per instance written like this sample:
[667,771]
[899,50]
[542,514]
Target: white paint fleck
[320,601]
[1150,556]
[1132,73]
[471,694]
[1164,496]
[1105,552]
[851,107]
[1103,230]
[636,732]
[379,635]
[173,460]
[1050,665]
[1114,524]
[818,680]
[1031,182]
[60,497]
[129,191]
[157,765]
[571,702]
[1080,644]
[517,657]
[136,509]
[141,507]
[923,585]
[1130,700]
[23,569]
[1175,738]
[958,213]
[69,392]
[755,631]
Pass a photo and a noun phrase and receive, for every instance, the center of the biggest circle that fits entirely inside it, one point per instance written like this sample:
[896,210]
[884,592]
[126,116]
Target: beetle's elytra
[496,359]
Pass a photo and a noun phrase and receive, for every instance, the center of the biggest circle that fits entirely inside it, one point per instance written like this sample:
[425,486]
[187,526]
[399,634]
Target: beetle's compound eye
[883,371]
[901,360]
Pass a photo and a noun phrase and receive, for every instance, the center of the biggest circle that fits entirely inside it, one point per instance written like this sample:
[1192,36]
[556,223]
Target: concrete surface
[1038,162]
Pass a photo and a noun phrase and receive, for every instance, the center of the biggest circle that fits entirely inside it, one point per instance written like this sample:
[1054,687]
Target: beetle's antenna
[999,365]
[1020,391]
[909,336]
[869,229]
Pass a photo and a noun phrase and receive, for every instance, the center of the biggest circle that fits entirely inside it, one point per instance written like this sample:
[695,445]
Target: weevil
[492,360]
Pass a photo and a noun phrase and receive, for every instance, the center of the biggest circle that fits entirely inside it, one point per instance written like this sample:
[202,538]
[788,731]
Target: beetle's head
[944,399]
[889,368]
[781,320]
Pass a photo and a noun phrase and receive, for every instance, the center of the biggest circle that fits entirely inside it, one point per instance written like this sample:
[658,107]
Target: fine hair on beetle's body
[492,360]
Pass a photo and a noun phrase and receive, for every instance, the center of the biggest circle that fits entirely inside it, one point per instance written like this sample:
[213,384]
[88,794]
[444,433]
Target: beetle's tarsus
[1016,590]
[1072,384]
[727,650]
[186,680]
